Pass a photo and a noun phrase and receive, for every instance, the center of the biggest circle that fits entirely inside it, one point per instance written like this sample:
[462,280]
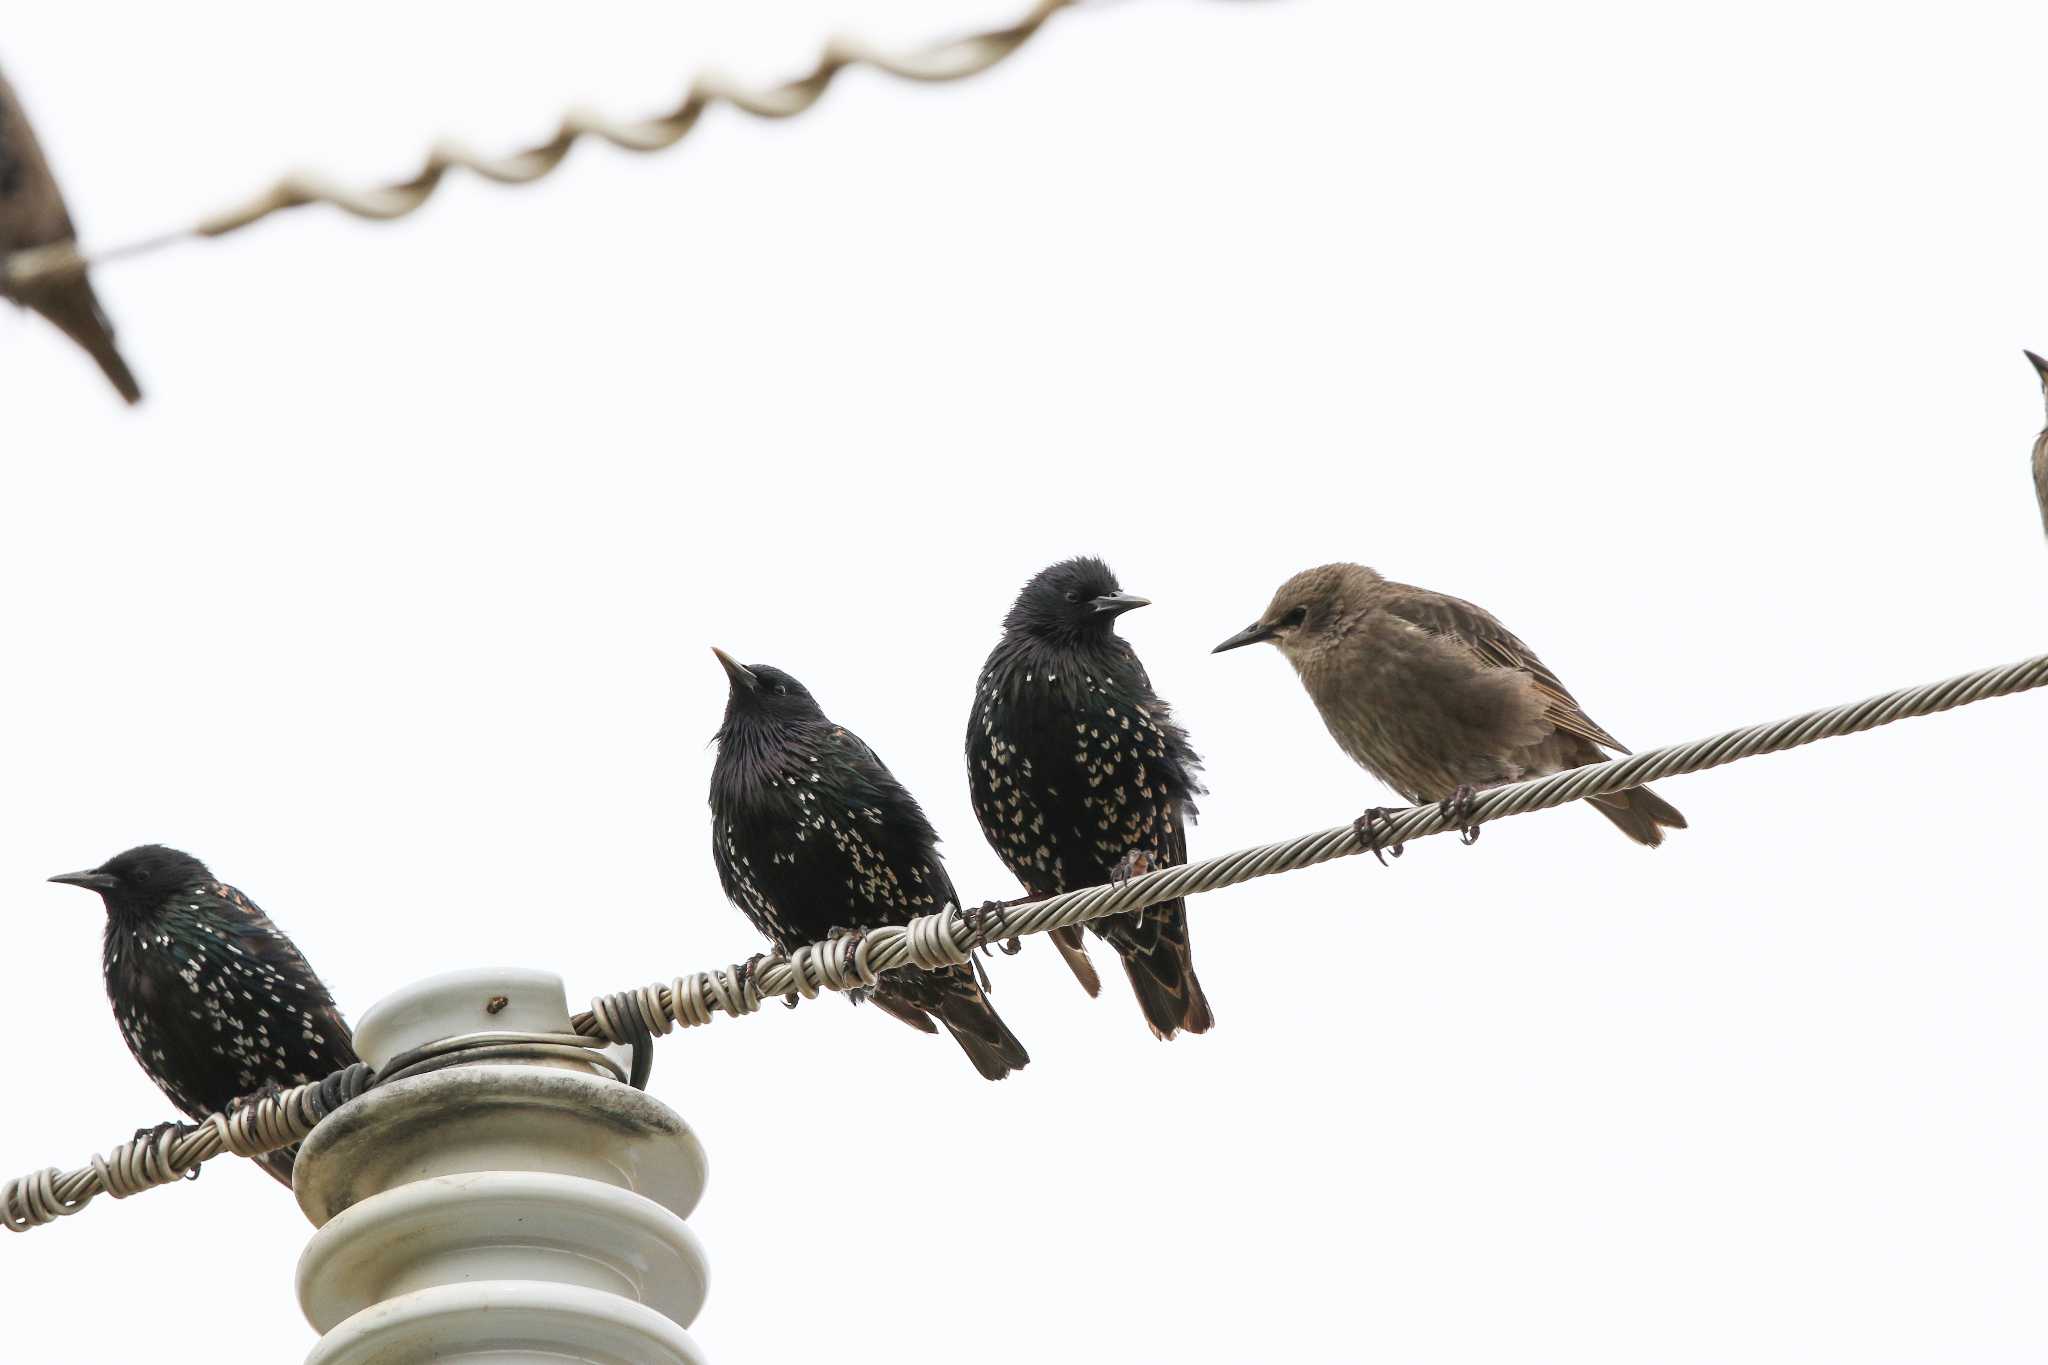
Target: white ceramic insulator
[498,1212]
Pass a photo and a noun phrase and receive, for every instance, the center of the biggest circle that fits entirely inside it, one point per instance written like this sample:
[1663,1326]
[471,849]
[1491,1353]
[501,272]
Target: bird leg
[998,911]
[1457,807]
[1136,863]
[1371,830]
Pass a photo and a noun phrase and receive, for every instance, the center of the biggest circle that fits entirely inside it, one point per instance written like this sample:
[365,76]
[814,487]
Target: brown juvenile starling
[813,837]
[2041,446]
[214,1001]
[1080,776]
[1434,697]
[32,214]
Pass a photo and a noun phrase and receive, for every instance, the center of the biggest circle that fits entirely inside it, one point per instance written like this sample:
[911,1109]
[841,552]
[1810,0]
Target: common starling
[215,1002]
[814,837]
[1433,696]
[32,214]
[1080,776]
[2041,446]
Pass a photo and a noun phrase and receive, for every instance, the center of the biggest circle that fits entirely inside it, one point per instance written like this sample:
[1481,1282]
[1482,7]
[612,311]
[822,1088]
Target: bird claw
[1371,829]
[1457,808]
[1135,863]
[743,972]
[1012,946]
[971,921]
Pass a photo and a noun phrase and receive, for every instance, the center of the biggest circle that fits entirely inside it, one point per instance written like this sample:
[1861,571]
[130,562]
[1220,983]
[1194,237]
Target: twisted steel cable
[951,59]
[263,1124]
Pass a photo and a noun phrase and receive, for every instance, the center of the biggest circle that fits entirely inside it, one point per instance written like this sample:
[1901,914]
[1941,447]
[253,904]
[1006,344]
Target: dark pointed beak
[2040,365]
[1117,603]
[1250,635]
[91,881]
[742,677]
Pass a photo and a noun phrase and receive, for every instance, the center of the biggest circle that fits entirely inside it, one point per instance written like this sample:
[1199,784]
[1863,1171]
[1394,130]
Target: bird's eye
[1295,617]
[782,689]
[1073,596]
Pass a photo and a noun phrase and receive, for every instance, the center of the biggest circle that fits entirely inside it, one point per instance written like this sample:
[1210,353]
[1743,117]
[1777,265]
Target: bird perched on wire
[1435,697]
[814,837]
[2041,446]
[32,214]
[1080,776]
[215,1002]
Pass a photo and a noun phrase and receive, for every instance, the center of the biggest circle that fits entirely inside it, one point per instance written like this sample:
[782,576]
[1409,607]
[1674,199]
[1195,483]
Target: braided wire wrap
[847,961]
[948,60]
[945,937]
[257,1125]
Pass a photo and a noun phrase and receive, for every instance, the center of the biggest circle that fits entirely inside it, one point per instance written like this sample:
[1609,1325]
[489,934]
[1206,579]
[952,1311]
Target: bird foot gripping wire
[1135,863]
[1371,829]
[1457,808]
[997,911]
[744,972]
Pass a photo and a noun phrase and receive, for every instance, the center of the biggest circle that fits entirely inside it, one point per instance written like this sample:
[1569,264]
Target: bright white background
[1686,341]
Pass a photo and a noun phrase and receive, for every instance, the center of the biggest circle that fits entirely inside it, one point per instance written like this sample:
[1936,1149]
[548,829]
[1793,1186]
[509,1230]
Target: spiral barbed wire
[264,1123]
[951,59]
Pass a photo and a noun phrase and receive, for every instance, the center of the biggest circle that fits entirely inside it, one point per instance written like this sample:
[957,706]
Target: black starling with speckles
[2041,445]
[1435,697]
[215,1002]
[32,214]
[1080,776]
[813,837]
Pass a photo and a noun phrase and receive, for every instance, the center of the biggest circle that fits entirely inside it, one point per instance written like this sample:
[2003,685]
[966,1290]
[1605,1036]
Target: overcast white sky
[1687,341]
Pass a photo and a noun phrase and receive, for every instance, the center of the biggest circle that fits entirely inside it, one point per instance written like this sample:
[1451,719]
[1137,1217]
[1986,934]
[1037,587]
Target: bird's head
[135,884]
[1075,599]
[758,693]
[1311,605]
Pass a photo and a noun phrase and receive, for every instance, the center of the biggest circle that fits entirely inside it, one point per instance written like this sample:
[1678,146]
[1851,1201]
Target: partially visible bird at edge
[1080,776]
[814,838]
[1433,696]
[2041,446]
[32,214]
[214,1001]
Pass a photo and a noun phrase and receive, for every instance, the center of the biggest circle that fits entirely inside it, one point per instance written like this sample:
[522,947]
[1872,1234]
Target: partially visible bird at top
[32,214]
[1435,697]
[1080,776]
[2041,446]
[814,837]
[214,1001]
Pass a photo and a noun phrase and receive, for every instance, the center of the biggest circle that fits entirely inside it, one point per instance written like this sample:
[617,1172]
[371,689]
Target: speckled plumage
[1429,692]
[1079,774]
[212,998]
[2041,446]
[812,835]
[32,214]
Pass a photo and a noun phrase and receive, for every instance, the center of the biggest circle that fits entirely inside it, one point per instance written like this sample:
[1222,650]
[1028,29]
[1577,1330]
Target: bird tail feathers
[1639,813]
[75,309]
[1157,958]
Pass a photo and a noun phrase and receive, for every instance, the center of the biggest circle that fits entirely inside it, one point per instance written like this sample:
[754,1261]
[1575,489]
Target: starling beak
[813,837]
[214,1001]
[2041,447]
[91,880]
[1079,776]
[740,675]
[32,214]
[1117,603]
[1250,635]
[1435,697]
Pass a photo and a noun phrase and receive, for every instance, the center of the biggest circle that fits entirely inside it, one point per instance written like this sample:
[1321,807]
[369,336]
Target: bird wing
[1474,627]
[262,939]
[907,835]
